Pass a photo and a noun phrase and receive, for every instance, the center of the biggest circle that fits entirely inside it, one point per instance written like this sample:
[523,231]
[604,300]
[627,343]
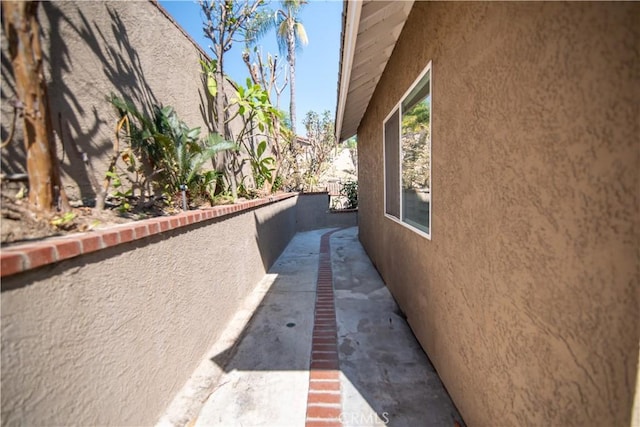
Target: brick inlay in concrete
[324,404]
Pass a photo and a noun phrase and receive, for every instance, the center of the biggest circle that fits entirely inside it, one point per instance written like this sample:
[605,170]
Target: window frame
[397,107]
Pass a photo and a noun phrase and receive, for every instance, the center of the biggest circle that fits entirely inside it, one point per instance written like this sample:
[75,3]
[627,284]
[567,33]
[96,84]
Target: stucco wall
[313,213]
[109,338]
[97,48]
[526,298]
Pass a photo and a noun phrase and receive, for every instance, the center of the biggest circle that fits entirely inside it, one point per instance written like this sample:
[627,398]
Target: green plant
[350,191]
[268,72]
[321,137]
[262,167]
[63,221]
[122,197]
[278,183]
[174,152]
[209,70]
[310,181]
[226,22]
[253,105]
[184,155]
[351,143]
[258,114]
[291,35]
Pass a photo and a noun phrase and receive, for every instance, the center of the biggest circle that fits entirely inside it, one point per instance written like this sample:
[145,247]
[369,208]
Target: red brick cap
[24,257]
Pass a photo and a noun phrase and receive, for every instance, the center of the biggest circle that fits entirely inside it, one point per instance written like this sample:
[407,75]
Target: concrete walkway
[327,346]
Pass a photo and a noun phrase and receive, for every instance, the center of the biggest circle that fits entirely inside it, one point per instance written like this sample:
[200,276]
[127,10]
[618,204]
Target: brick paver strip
[324,404]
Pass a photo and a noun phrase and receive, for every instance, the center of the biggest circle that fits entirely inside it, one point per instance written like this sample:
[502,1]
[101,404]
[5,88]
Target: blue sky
[316,65]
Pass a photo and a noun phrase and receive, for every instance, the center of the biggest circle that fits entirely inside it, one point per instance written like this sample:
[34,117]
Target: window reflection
[416,156]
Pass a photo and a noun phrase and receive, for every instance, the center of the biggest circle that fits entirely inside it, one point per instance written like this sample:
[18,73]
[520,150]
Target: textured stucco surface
[526,298]
[93,49]
[313,213]
[111,337]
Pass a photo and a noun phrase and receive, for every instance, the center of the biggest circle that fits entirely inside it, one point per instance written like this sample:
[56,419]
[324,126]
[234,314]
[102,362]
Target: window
[392,164]
[407,157]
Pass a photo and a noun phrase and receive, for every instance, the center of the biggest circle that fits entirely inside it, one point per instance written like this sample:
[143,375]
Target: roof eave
[350,24]
[370,31]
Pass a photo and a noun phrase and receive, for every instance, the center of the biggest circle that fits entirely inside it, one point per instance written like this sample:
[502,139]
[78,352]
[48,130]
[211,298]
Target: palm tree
[291,35]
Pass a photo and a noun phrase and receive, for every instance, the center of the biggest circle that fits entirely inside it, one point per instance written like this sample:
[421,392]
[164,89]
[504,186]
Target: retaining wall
[110,332]
[313,212]
[105,327]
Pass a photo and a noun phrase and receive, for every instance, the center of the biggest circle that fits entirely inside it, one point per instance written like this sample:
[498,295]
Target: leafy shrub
[173,152]
[350,191]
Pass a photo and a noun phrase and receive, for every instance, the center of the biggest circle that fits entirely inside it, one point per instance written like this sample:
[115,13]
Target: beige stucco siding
[526,297]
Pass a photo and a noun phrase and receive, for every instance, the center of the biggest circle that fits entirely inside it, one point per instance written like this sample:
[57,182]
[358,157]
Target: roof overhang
[370,30]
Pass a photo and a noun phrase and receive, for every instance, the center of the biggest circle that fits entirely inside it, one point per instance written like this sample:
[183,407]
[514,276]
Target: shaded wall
[526,298]
[93,49]
[313,213]
[109,338]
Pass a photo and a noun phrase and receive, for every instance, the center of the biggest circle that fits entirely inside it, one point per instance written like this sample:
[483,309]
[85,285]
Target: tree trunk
[292,84]
[220,121]
[22,30]
[220,125]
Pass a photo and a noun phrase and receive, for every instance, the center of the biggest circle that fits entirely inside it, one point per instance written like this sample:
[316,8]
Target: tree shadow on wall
[13,155]
[111,45]
[82,123]
[207,102]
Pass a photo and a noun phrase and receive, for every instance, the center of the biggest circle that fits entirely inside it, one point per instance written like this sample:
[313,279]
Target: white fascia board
[352,23]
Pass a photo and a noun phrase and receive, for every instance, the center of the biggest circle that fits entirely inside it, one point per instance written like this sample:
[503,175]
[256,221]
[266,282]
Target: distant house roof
[370,30]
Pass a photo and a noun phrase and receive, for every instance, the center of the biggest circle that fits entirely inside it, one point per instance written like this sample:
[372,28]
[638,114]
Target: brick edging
[324,400]
[20,258]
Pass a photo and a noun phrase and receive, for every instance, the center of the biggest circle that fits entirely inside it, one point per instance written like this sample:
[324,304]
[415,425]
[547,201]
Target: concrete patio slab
[387,378]
[384,377]
[266,379]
